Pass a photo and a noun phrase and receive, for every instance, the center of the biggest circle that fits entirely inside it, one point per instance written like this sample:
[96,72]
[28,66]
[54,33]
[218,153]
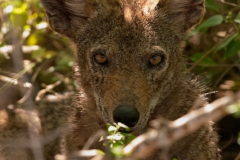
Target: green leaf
[229,17]
[232,49]
[123,126]
[116,137]
[235,109]
[117,149]
[111,129]
[63,62]
[2,44]
[32,39]
[100,152]
[226,42]
[129,138]
[38,54]
[206,60]
[237,18]
[210,4]
[237,38]
[211,22]
[18,20]
[18,16]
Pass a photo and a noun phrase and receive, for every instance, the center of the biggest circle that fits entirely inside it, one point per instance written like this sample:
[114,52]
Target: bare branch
[48,88]
[33,120]
[238,157]
[169,132]
[228,3]
[26,49]
[211,50]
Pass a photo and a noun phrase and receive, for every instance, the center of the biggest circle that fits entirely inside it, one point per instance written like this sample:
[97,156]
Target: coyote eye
[100,57]
[156,59]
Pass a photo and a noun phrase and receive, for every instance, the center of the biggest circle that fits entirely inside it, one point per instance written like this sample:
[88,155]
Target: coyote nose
[127,115]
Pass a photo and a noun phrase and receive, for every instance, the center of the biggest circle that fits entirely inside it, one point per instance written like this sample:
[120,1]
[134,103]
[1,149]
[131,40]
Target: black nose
[127,115]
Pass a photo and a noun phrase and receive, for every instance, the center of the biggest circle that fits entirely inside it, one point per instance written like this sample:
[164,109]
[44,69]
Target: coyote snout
[124,97]
[126,114]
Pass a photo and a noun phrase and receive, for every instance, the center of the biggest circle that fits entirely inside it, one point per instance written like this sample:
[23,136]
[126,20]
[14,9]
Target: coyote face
[130,69]
[129,52]
[129,72]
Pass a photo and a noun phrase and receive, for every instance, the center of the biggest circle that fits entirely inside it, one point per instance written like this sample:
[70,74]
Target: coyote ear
[186,13]
[64,15]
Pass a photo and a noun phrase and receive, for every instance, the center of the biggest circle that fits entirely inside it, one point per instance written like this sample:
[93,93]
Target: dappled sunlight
[3,118]
[208,108]
[128,15]
[149,6]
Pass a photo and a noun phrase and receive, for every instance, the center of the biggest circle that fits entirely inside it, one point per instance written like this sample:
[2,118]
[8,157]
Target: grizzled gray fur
[130,69]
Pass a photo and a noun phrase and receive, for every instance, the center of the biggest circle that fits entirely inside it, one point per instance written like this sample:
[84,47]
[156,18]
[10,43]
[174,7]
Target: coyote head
[129,52]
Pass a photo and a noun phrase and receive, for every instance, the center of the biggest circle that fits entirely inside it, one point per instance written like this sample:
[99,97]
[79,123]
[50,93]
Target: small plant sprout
[117,140]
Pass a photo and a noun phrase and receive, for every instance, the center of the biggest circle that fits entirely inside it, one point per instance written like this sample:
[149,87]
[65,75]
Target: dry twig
[33,120]
[211,50]
[228,3]
[170,132]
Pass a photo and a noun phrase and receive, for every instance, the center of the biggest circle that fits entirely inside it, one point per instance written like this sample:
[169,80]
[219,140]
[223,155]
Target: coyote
[130,69]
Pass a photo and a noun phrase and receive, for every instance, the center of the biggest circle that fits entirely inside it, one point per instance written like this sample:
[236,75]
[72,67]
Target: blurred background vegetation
[46,58]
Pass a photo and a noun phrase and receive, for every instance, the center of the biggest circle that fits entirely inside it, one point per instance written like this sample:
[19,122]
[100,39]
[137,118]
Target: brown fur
[129,32]
[14,138]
